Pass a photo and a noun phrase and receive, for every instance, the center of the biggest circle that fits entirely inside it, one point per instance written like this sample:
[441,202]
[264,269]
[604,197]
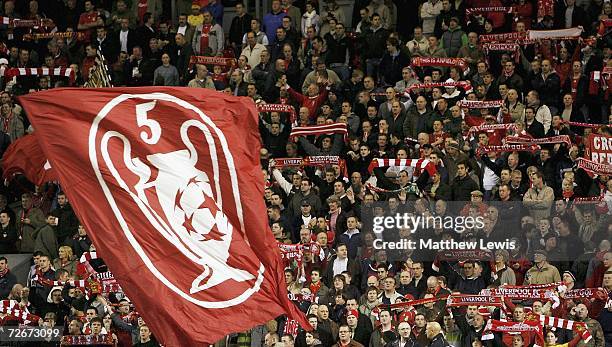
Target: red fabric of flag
[169,185]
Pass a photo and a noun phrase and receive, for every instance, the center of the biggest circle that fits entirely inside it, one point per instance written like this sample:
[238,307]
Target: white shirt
[182,30]
[123,36]
[340,266]
[306,220]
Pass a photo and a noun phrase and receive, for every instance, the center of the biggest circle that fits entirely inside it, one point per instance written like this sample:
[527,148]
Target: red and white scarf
[465,85]
[418,164]
[588,293]
[475,10]
[39,71]
[559,34]
[590,200]
[88,256]
[488,127]
[325,129]
[578,327]
[476,104]
[313,160]
[461,255]
[593,167]
[471,300]
[301,297]
[513,37]
[25,23]
[281,108]
[545,140]
[64,35]
[412,302]
[507,148]
[22,315]
[86,284]
[204,60]
[583,125]
[87,340]
[432,61]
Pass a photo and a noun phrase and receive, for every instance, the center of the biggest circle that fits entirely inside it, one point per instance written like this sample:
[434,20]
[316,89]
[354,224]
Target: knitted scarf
[471,300]
[593,167]
[465,85]
[281,108]
[475,10]
[507,148]
[325,129]
[545,140]
[198,59]
[418,164]
[476,104]
[433,61]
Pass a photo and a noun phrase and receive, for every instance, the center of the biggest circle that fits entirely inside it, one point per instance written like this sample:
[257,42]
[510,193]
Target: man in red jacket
[314,98]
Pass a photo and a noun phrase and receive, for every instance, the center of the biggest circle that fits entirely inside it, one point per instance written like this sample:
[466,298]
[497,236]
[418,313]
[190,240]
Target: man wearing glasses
[345,339]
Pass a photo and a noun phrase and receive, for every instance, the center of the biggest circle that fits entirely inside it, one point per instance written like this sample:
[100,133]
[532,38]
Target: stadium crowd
[486,80]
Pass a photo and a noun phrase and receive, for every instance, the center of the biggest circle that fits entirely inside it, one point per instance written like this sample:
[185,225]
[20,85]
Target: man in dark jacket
[7,279]
[463,185]
[180,53]
[67,221]
[392,62]
[548,84]
[532,126]
[8,234]
[360,324]
[375,40]
[434,334]
[241,24]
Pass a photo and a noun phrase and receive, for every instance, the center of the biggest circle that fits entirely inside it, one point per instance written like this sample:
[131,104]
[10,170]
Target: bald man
[434,334]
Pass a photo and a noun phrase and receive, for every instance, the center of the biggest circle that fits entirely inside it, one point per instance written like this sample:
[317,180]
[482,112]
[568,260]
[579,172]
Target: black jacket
[6,284]
[439,341]
[68,224]
[8,237]
[375,42]
[391,67]
[536,129]
[461,188]
[548,89]
[239,27]
[337,49]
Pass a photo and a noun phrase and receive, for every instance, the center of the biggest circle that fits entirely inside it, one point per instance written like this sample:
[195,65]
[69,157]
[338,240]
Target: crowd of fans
[356,71]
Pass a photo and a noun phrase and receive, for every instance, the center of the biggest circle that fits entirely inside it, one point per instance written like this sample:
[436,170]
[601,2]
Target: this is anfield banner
[24,156]
[168,182]
[599,149]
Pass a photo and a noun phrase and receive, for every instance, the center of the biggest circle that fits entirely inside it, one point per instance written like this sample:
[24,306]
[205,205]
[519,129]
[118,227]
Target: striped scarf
[325,129]
[418,164]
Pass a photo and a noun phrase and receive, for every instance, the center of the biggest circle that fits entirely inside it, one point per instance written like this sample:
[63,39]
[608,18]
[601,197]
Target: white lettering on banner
[601,158]
[599,149]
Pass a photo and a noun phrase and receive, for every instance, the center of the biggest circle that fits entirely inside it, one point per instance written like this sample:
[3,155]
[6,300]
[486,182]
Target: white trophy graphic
[190,199]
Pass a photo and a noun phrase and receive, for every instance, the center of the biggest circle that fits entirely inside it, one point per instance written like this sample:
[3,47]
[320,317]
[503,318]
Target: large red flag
[169,184]
[25,156]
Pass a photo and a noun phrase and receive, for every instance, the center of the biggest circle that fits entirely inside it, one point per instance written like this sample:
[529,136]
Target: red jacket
[312,103]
